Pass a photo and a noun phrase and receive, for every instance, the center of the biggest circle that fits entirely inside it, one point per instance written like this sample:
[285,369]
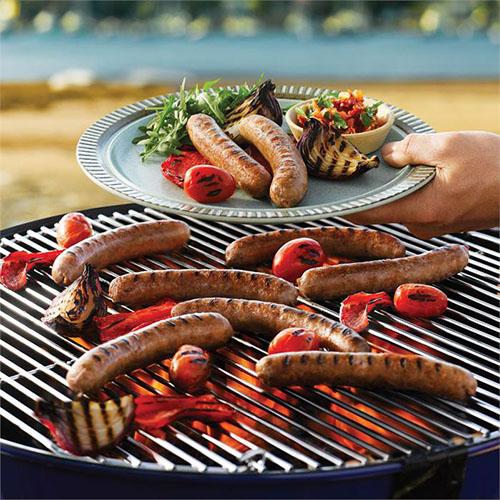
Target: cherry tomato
[72,228]
[208,184]
[420,301]
[190,369]
[294,340]
[296,257]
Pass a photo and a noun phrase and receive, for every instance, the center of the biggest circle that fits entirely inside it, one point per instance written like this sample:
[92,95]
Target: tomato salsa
[348,111]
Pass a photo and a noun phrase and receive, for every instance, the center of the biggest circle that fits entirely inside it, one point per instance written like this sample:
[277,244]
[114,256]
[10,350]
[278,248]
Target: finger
[405,211]
[425,231]
[414,149]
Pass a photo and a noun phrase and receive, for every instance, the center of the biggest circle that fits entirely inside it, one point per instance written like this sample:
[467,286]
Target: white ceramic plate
[106,154]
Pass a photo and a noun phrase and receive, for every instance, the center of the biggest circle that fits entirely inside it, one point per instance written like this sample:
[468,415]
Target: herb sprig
[166,132]
[368,115]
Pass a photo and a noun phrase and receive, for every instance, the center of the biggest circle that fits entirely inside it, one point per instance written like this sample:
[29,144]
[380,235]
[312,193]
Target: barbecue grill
[294,442]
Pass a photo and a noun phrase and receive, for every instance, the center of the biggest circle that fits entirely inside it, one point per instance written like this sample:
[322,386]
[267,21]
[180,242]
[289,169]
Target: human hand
[464,194]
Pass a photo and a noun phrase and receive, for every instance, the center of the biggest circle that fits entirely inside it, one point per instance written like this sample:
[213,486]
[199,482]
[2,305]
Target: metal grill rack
[289,430]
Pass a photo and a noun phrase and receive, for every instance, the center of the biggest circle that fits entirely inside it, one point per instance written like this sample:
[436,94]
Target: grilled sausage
[341,241]
[289,183]
[269,319]
[142,347]
[120,244]
[330,282]
[151,286]
[210,140]
[369,370]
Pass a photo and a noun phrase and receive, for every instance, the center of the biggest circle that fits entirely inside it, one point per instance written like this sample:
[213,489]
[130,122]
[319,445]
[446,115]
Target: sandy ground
[39,175]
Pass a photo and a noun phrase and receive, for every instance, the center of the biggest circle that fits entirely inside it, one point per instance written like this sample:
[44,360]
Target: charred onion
[327,154]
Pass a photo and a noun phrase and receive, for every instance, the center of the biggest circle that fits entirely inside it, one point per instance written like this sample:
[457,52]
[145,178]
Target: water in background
[143,59]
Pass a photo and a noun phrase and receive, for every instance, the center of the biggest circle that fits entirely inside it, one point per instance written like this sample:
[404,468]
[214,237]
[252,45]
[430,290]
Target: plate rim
[90,161]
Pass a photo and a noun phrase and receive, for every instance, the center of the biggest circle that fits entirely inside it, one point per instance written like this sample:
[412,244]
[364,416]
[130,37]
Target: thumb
[414,149]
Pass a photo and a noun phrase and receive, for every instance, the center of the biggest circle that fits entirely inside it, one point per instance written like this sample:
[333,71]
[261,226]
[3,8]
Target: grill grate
[287,430]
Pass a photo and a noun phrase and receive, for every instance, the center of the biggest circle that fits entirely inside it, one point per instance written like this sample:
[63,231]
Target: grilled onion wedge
[73,310]
[85,427]
[262,101]
[327,154]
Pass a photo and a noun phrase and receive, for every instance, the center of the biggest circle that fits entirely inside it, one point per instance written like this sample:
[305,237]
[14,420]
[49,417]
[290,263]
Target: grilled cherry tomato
[296,257]
[420,301]
[190,369]
[208,184]
[294,340]
[72,228]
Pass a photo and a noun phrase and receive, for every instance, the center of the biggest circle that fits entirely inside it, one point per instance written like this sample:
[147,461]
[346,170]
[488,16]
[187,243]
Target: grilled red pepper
[115,325]
[355,308]
[174,168]
[15,266]
[155,412]
[420,301]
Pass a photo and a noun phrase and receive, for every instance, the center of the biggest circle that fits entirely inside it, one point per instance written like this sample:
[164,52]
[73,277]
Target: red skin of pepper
[155,412]
[15,266]
[115,325]
[355,308]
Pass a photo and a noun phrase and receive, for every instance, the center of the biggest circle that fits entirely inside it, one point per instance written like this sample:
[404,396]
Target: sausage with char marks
[368,370]
[269,319]
[182,284]
[124,243]
[330,282]
[211,141]
[290,180]
[142,347]
[357,243]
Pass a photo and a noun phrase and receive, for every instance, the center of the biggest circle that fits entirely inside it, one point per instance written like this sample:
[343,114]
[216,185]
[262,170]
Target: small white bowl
[365,142]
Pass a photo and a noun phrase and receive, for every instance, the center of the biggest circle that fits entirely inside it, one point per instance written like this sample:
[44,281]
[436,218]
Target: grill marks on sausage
[357,243]
[290,180]
[116,245]
[182,284]
[330,282]
[270,318]
[210,140]
[147,345]
[368,370]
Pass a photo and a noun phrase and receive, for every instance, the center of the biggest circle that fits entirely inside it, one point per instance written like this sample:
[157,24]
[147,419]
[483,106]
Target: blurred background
[64,64]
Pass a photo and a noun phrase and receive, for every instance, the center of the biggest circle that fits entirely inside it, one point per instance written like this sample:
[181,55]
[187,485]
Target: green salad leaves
[166,132]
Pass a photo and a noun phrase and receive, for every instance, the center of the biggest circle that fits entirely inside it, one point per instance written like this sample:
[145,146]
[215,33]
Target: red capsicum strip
[155,412]
[15,266]
[115,325]
[355,308]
